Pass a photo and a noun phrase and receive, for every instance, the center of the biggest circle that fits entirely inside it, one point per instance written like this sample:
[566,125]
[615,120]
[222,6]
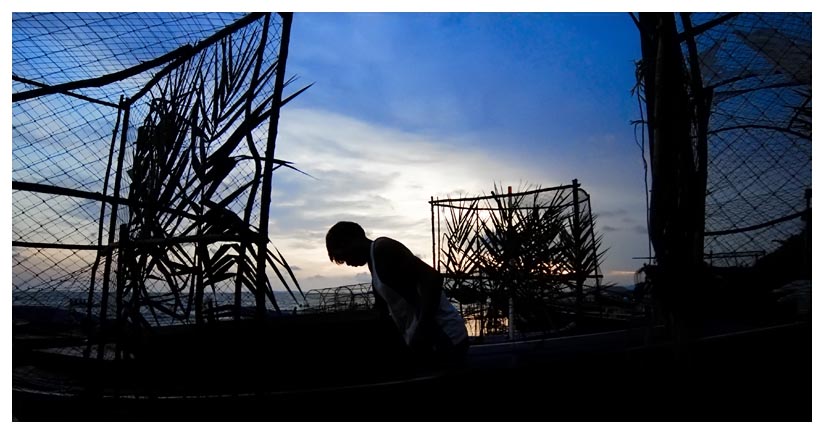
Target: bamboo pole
[266,193]
[577,243]
[102,80]
[769,223]
[107,268]
[190,52]
[592,235]
[103,249]
[483,304]
[461,207]
[698,30]
[494,196]
[90,299]
[201,253]
[508,257]
[122,268]
[244,248]
[438,223]
[70,94]
[432,229]
[94,196]
[701,106]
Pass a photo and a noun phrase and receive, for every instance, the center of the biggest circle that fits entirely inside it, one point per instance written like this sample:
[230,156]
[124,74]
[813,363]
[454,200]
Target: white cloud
[382,178]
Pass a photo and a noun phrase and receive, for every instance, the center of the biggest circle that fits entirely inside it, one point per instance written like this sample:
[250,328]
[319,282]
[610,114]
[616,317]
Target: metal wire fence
[343,298]
[135,138]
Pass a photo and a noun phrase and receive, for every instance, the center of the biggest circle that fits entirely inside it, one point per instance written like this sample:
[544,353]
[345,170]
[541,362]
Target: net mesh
[758,67]
[130,114]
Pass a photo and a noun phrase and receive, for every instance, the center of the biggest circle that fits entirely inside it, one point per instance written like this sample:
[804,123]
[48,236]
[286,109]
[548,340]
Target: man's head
[348,244]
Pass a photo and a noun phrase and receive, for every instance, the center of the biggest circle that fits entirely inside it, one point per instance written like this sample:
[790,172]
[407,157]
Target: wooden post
[245,245]
[702,98]
[438,232]
[266,188]
[107,268]
[123,261]
[432,227]
[201,252]
[482,305]
[592,235]
[509,264]
[103,204]
[806,217]
[578,273]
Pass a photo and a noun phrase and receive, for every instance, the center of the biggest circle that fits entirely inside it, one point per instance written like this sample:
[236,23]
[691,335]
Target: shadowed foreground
[754,375]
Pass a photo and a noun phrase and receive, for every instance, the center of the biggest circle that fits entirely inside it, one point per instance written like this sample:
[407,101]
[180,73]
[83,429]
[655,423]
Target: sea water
[71,305]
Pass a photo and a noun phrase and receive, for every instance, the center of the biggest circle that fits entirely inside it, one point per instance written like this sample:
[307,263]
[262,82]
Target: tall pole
[701,108]
[674,209]
[438,233]
[432,225]
[101,219]
[107,268]
[123,267]
[266,188]
[592,235]
[480,285]
[509,256]
[578,273]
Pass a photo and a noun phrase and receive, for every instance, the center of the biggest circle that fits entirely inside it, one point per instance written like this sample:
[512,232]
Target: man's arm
[379,305]
[429,287]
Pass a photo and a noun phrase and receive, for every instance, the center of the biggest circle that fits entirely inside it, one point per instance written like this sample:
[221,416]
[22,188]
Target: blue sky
[411,105]
[498,75]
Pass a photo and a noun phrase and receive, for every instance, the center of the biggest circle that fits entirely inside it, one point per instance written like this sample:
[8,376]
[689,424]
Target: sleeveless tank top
[405,315]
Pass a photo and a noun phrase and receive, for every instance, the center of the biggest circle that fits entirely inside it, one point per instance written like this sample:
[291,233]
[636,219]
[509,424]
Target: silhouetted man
[405,287]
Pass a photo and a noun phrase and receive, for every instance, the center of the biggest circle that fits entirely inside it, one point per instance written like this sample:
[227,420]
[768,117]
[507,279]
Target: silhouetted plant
[525,248]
